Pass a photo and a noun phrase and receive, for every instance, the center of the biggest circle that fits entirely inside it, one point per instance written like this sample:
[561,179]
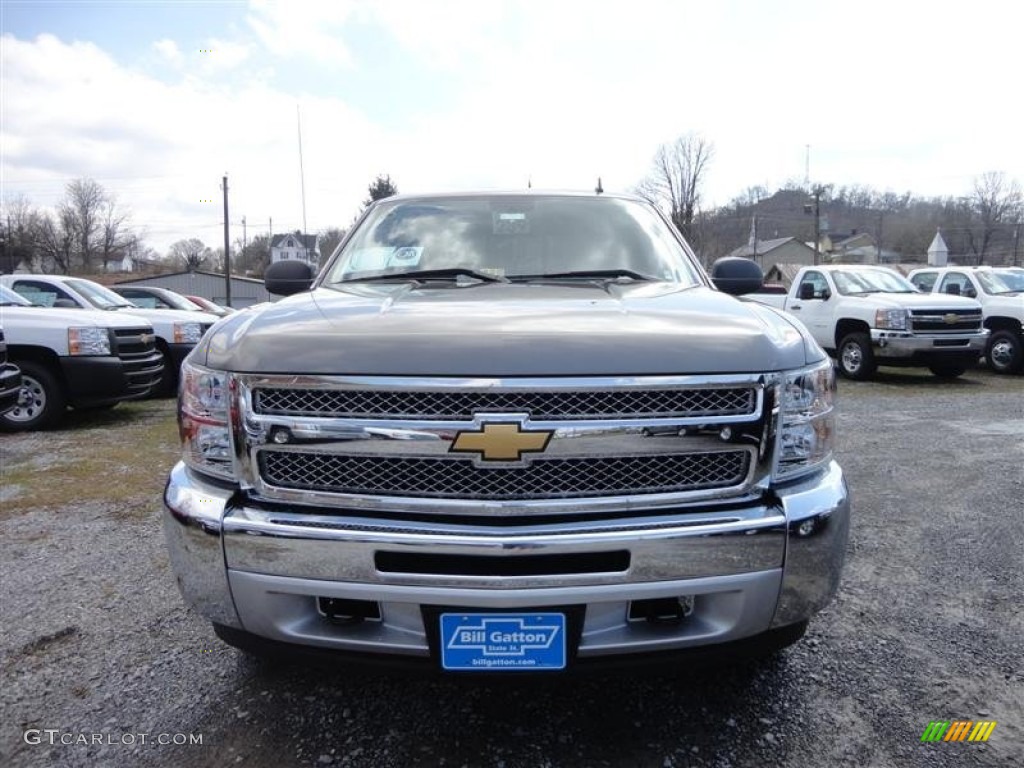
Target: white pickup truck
[1001,295]
[73,357]
[866,316]
[177,331]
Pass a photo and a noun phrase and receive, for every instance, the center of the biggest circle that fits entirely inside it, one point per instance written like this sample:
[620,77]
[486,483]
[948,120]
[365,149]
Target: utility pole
[878,239]
[1016,245]
[245,238]
[815,208]
[227,246]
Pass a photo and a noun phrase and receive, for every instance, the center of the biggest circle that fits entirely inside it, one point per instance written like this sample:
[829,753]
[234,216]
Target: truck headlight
[806,420]
[88,341]
[891,319]
[203,420]
[187,333]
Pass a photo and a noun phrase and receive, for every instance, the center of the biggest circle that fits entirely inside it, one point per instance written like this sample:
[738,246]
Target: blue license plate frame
[503,642]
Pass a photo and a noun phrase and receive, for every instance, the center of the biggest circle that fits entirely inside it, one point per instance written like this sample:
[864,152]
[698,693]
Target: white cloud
[305,30]
[219,55]
[169,51]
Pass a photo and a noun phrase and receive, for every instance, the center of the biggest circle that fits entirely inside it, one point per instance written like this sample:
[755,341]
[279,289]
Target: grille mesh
[462,479]
[552,405]
[934,320]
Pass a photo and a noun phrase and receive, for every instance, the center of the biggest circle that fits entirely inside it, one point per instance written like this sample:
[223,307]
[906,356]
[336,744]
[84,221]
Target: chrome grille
[935,320]
[540,479]
[552,405]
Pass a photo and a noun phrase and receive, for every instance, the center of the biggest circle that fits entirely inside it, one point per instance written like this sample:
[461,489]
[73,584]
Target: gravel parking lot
[96,645]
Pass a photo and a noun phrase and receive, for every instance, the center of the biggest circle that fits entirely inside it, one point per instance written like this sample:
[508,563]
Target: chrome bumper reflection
[757,566]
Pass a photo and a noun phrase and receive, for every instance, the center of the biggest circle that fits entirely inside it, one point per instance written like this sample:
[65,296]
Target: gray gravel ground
[928,625]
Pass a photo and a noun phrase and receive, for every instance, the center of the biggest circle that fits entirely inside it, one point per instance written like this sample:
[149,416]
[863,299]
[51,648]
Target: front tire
[856,358]
[41,402]
[1004,352]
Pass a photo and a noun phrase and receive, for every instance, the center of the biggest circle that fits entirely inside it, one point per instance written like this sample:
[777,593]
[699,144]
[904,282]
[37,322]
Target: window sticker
[382,258]
[510,223]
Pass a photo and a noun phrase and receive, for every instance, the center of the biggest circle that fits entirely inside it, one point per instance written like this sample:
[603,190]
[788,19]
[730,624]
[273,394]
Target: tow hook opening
[339,610]
[662,610]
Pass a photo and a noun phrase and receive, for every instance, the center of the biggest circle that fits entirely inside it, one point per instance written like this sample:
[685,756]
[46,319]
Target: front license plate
[496,642]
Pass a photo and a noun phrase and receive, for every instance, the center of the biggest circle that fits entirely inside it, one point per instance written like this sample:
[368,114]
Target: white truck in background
[73,357]
[177,331]
[1001,295]
[866,316]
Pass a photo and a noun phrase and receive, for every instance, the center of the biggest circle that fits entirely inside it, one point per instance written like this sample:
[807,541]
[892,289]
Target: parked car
[177,331]
[868,316]
[999,291]
[74,357]
[509,433]
[210,306]
[10,379]
[153,297]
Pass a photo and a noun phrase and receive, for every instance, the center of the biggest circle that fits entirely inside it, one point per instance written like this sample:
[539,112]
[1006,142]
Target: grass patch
[118,457]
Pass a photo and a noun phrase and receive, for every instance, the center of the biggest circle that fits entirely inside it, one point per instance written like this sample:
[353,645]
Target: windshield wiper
[598,274]
[429,274]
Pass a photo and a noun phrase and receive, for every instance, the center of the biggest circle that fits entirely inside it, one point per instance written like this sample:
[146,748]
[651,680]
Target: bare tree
[996,203]
[329,240]
[192,254]
[115,237]
[83,203]
[19,224]
[676,178]
[57,239]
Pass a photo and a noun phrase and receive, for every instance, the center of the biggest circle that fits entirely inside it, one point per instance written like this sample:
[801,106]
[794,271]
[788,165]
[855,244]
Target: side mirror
[736,276]
[806,291]
[64,304]
[283,278]
[953,289]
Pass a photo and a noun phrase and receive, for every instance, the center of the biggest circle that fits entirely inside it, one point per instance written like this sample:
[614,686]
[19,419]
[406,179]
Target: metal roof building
[245,291]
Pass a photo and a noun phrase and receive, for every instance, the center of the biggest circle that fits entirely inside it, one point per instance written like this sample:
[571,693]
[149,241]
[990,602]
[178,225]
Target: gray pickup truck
[506,433]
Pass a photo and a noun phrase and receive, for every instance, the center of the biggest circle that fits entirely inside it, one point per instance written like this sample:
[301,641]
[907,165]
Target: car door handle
[795,307]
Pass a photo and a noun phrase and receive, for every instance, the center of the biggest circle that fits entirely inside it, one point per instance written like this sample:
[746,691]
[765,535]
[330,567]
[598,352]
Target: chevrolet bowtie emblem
[951,318]
[501,442]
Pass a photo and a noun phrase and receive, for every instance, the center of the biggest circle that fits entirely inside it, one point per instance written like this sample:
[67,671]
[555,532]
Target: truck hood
[164,319]
[52,317]
[501,329]
[919,301]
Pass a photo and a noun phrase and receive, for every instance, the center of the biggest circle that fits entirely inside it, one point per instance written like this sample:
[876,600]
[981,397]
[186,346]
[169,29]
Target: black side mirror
[806,291]
[284,278]
[953,289]
[736,276]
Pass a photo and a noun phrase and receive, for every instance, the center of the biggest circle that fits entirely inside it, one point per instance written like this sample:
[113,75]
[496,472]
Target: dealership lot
[927,625]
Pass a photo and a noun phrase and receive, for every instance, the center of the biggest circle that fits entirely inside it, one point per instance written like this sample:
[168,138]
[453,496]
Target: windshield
[515,237]
[992,283]
[158,298]
[9,297]
[1014,279]
[851,282]
[98,296]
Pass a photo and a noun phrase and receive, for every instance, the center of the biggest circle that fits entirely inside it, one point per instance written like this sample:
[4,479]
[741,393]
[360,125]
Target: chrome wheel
[853,358]
[31,401]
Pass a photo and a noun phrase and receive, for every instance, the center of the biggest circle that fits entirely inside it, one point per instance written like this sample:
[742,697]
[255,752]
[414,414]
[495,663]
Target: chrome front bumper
[895,344]
[747,570]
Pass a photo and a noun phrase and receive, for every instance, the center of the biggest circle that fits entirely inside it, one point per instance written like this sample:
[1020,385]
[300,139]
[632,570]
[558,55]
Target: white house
[295,246]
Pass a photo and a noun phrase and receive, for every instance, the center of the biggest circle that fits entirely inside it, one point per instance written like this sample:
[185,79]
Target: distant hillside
[904,223]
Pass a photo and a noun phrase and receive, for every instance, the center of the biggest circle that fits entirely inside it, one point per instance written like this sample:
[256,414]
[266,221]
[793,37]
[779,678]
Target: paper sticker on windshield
[383,258]
[510,223]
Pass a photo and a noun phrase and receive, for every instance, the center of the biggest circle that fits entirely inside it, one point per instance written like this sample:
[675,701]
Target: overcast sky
[157,100]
